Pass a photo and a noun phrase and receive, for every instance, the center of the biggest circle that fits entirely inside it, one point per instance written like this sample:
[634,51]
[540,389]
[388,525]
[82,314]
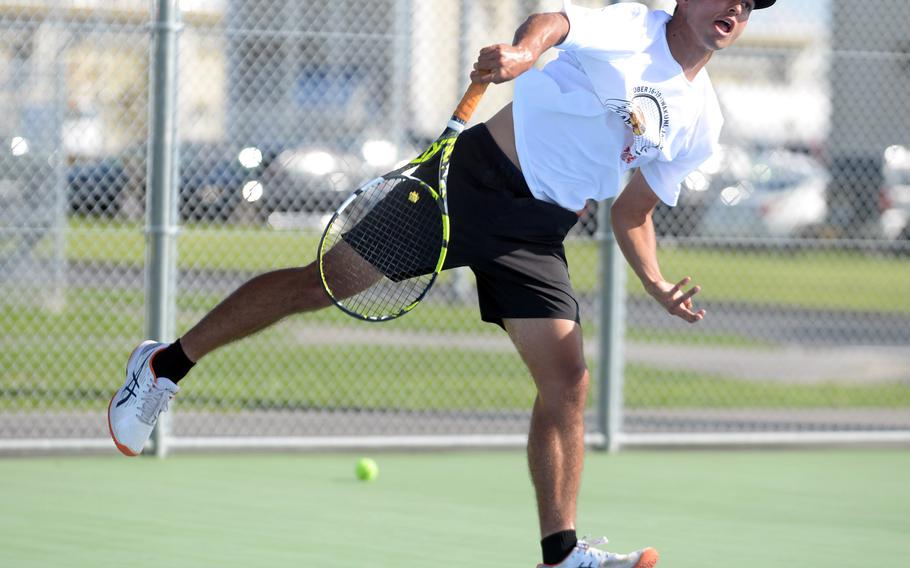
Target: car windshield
[777,173]
[198,154]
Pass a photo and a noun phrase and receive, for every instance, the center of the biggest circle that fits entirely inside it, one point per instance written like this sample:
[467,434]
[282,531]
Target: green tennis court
[840,508]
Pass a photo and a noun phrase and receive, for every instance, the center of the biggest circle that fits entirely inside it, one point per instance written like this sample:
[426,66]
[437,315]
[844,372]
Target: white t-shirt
[613,100]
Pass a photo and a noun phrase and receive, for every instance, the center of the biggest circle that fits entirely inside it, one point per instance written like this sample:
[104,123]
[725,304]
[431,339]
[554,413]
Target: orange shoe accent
[648,559]
[152,367]
[123,449]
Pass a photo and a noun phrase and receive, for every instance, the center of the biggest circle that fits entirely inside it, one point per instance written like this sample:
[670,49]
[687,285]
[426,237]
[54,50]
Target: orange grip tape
[469,101]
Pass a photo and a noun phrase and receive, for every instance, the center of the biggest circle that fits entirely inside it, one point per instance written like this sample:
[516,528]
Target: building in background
[74,76]
[773,83]
[303,71]
[390,68]
[826,77]
[287,71]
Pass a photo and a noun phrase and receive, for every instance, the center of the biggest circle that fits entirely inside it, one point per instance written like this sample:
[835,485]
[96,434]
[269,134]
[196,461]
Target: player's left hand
[677,302]
[500,63]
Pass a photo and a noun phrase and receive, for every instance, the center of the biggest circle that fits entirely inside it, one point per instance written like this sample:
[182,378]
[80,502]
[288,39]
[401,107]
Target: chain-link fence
[798,231]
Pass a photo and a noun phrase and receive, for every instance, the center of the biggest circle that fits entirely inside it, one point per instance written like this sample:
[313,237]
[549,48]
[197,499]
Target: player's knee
[569,387]
[577,383]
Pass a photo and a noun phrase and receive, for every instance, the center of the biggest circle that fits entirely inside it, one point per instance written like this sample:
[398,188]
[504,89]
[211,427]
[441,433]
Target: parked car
[681,220]
[314,179]
[212,178]
[782,194]
[696,192]
[96,186]
[700,188]
[894,199]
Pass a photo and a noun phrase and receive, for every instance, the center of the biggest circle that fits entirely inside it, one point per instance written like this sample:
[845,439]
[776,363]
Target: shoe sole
[125,450]
[649,558]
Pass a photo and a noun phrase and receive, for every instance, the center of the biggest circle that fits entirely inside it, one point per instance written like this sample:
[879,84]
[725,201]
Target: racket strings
[395,228]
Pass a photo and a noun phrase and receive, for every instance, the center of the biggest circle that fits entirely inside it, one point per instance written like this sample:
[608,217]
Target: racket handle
[469,102]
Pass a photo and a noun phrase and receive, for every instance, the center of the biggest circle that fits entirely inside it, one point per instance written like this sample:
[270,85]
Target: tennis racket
[383,248]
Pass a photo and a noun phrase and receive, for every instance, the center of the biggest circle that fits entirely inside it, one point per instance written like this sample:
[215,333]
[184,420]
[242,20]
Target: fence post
[611,325]
[612,322]
[161,246]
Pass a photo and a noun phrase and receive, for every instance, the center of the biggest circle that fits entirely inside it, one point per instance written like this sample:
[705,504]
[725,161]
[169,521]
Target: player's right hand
[500,63]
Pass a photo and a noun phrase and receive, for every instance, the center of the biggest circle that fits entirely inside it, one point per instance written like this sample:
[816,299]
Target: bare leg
[552,350]
[270,297]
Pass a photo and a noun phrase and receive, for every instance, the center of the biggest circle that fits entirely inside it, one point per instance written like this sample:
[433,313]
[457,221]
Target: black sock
[557,546]
[171,362]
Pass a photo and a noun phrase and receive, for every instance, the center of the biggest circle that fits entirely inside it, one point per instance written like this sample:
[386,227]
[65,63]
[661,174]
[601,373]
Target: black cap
[759,4]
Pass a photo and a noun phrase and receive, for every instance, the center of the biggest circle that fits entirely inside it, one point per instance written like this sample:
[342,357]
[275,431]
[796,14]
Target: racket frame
[443,146]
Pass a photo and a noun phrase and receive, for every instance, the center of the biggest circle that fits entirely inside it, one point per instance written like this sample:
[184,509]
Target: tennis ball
[366,469]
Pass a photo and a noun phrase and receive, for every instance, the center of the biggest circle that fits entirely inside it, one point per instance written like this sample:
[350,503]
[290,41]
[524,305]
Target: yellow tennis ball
[366,469]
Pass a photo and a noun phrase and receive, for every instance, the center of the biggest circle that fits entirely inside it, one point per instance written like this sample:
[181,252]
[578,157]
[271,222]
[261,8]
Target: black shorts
[512,241]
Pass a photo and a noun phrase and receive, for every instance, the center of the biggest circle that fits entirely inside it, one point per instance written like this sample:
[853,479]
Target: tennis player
[628,92]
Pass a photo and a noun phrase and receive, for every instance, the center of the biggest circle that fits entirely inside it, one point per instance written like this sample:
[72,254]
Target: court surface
[701,509]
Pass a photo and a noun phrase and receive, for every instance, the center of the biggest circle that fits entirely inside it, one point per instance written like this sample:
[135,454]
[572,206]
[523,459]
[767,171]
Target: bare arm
[634,229]
[500,63]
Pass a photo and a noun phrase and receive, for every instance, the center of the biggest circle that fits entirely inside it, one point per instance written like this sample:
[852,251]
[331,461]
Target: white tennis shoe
[135,408]
[584,555]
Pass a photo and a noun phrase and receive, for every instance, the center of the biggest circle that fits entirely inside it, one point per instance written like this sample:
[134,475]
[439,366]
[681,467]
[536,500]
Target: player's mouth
[724,26]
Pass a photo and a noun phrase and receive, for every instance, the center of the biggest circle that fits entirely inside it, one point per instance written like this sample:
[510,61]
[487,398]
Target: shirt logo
[648,119]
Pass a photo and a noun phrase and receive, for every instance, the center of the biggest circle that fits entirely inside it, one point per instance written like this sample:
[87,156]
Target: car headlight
[252,190]
[18,146]
[250,157]
[379,152]
[731,196]
[697,181]
[318,163]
